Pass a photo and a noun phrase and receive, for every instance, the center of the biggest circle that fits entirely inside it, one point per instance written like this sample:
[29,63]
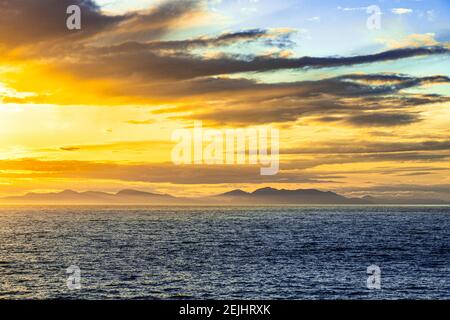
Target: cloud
[276,38]
[355,99]
[319,160]
[314,19]
[148,121]
[30,22]
[412,40]
[26,22]
[367,147]
[150,65]
[150,173]
[70,148]
[119,146]
[352,8]
[155,22]
[419,173]
[401,11]
[417,191]
[293,171]
[130,54]
[383,119]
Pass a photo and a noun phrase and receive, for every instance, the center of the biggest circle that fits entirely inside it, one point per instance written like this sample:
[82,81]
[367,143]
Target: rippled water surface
[204,253]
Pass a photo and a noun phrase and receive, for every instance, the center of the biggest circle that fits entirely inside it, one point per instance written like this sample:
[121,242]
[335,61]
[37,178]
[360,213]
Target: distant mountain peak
[284,196]
[236,192]
[266,190]
[68,192]
[138,193]
[132,192]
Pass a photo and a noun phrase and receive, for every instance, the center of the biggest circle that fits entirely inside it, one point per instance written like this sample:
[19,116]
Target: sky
[360,110]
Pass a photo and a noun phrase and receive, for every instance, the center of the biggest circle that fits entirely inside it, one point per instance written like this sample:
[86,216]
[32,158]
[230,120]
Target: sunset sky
[360,111]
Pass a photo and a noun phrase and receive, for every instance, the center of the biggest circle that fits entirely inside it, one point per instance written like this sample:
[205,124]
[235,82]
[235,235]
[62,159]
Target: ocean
[224,253]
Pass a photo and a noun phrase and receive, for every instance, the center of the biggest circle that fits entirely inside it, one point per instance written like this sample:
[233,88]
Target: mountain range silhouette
[263,196]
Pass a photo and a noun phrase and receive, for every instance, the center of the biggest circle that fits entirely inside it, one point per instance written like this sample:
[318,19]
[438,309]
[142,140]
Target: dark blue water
[204,253]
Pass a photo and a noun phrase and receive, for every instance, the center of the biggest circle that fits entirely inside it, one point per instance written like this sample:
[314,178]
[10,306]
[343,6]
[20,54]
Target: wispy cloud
[401,11]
